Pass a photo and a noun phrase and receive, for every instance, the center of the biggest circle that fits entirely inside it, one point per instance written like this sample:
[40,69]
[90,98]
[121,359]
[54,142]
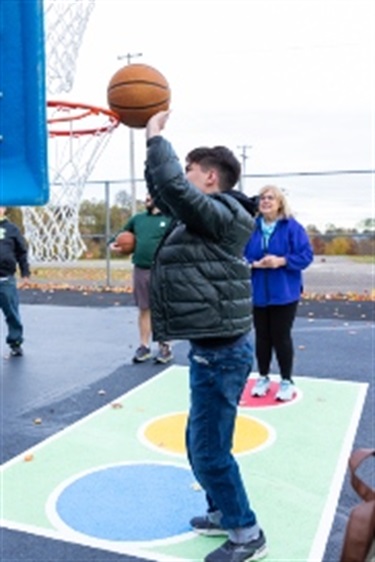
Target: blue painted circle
[135,502]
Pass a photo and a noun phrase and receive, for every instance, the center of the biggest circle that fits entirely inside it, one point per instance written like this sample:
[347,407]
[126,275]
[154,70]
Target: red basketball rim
[75,111]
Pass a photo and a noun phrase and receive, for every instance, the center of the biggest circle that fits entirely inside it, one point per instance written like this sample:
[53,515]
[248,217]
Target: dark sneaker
[233,552]
[203,526]
[16,350]
[143,353]
[164,354]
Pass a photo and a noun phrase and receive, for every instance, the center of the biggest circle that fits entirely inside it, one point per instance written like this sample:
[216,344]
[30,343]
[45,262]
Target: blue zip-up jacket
[284,284]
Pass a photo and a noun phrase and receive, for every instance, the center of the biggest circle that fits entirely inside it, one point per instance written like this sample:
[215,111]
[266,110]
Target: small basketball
[126,241]
[136,92]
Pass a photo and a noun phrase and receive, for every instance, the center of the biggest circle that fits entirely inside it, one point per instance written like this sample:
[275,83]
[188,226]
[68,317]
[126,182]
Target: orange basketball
[136,92]
[126,241]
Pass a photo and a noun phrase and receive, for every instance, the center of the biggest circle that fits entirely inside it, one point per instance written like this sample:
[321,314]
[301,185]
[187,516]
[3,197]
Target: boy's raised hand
[156,123]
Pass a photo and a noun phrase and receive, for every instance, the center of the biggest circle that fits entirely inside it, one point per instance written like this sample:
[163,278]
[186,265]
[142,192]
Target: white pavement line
[328,514]
[71,427]
[117,548]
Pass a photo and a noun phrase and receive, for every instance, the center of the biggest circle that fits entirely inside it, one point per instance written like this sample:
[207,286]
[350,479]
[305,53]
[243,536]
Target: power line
[321,173]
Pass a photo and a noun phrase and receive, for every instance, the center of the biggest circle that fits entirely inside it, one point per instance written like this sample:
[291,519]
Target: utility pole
[244,157]
[133,187]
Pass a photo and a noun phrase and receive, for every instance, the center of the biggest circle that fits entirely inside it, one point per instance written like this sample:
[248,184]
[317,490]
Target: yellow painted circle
[168,433]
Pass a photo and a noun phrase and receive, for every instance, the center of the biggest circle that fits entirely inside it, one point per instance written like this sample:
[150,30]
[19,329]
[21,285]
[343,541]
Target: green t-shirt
[149,229]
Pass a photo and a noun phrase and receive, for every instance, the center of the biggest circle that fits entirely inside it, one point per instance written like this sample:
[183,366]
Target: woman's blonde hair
[284,209]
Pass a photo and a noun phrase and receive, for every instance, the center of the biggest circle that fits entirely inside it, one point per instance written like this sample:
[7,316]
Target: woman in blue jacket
[278,250]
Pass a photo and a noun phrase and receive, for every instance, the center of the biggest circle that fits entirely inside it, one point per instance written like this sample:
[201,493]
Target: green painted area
[288,482]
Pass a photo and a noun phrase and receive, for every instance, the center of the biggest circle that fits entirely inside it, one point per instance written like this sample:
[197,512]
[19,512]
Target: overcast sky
[292,79]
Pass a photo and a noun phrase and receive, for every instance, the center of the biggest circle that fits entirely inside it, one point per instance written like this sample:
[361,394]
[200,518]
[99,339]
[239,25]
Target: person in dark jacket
[278,250]
[13,253]
[200,287]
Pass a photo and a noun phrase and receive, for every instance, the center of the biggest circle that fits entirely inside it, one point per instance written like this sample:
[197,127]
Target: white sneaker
[286,391]
[261,387]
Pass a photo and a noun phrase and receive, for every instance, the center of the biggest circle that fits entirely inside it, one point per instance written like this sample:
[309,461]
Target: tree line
[93,217]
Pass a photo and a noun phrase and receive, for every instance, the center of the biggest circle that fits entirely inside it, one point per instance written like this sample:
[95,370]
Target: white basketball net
[52,231]
[78,135]
[65,22]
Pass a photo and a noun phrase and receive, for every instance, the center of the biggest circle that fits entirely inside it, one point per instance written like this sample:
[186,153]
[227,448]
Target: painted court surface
[118,479]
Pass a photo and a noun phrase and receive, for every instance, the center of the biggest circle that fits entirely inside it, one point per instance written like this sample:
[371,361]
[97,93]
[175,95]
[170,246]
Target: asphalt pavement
[78,351]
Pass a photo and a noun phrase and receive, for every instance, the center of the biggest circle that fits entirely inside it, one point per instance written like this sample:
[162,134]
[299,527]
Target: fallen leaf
[116,405]
[28,457]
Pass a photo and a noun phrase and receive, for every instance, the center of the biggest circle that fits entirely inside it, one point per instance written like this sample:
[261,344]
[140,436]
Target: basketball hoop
[78,133]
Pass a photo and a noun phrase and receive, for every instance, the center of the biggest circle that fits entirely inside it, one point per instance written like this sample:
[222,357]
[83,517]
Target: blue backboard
[23,121]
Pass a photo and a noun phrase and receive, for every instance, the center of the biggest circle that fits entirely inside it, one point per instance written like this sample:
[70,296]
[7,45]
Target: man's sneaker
[143,353]
[233,552]
[164,354]
[203,526]
[16,350]
[261,387]
[286,391]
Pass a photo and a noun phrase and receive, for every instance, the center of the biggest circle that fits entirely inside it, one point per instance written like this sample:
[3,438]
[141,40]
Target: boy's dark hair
[220,158]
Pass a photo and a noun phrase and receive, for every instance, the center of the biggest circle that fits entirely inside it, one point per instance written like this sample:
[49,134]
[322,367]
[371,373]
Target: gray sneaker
[233,552]
[16,350]
[142,354]
[164,354]
[203,526]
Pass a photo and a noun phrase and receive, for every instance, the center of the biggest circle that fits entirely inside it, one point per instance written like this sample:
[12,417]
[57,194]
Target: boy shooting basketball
[200,289]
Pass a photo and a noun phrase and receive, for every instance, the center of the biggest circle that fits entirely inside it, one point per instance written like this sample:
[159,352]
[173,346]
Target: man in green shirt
[149,228]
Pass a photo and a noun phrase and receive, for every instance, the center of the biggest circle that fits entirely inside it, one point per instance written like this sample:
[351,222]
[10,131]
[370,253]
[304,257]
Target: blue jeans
[217,380]
[9,304]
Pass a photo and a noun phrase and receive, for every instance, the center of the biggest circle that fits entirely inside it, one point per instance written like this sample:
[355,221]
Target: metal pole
[133,186]
[107,233]
[244,157]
